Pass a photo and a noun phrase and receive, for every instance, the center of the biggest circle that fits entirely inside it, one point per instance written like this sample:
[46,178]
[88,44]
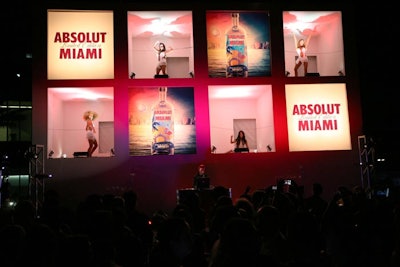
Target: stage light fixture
[112,152]
[132,76]
[51,154]
[287,74]
[191,74]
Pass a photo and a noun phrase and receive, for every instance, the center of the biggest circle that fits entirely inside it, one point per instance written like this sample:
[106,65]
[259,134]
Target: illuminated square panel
[247,108]
[238,44]
[315,39]
[148,31]
[80,44]
[161,121]
[317,117]
[67,132]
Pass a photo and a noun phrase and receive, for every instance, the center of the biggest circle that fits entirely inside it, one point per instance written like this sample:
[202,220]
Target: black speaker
[80,154]
[161,76]
[312,74]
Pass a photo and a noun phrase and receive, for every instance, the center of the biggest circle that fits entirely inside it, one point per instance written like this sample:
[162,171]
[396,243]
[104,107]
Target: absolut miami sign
[80,44]
[317,117]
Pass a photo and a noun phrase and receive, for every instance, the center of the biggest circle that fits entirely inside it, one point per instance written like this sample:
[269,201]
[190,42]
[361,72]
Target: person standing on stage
[201,174]
[161,57]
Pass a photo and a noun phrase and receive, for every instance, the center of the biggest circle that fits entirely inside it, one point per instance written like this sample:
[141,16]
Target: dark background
[377,33]
[375,29]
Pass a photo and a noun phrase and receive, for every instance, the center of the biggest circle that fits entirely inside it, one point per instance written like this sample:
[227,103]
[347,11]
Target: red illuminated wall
[156,178]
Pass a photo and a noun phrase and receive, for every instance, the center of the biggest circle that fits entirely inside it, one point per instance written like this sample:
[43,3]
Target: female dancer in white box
[301,49]
[89,116]
[161,57]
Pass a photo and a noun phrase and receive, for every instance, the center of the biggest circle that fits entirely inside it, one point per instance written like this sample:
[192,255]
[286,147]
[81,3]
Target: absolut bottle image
[236,50]
[162,123]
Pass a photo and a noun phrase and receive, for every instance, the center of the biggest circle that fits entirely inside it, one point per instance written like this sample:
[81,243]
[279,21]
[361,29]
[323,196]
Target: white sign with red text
[317,117]
[80,44]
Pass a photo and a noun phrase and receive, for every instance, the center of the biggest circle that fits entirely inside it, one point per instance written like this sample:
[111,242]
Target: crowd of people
[276,226]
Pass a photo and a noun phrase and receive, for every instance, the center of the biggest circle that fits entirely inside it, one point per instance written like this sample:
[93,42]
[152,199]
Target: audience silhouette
[275,227]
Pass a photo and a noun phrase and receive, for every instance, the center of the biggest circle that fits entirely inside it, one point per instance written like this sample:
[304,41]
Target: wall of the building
[156,179]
